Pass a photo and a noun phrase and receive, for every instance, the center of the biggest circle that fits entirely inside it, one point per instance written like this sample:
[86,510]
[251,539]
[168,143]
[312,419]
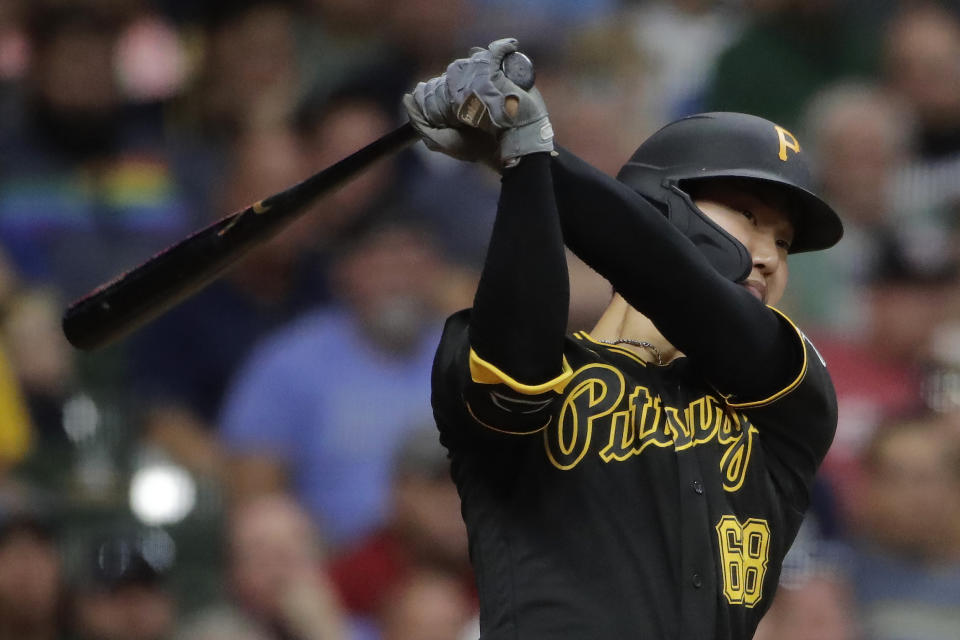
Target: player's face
[759,220]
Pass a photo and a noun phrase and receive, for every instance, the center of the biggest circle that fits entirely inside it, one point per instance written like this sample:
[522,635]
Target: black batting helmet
[728,145]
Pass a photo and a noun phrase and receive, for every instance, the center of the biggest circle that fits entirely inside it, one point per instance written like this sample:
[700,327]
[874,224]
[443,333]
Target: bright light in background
[162,494]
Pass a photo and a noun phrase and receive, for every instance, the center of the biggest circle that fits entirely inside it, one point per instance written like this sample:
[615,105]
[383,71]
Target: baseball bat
[135,297]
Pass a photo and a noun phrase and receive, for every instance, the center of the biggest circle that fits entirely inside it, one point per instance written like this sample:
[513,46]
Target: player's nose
[764,251]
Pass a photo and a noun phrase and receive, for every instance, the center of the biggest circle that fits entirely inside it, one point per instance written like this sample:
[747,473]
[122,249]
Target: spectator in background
[31,580]
[879,374]
[921,49]
[384,45]
[906,561]
[15,425]
[276,579]
[86,186]
[819,607]
[13,59]
[941,384]
[842,122]
[151,59]
[539,21]
[220,625]
[681,41]
[424,531]
[596,71]
[338,41]
[321,405]
[422,34]
[249,78]
[122,593]
[41,366]
[428,604]
[331,130]
[16,428]
[435,185]
[788,51]
[40,356]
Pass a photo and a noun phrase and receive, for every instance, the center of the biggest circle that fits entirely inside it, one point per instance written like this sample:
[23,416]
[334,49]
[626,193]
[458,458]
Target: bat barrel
[135,297]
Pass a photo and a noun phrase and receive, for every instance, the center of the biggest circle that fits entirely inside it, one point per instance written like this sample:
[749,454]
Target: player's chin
[774,295]
[769,290]
[755,288]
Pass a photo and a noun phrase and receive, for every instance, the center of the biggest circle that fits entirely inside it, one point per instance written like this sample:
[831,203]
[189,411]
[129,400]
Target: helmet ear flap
[727,254]
[722,250]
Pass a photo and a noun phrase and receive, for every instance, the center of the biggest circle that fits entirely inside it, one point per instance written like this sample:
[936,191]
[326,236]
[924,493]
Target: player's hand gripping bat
[137,296]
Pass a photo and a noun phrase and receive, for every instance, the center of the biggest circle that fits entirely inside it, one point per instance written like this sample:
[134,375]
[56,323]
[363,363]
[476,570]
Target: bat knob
[518,67]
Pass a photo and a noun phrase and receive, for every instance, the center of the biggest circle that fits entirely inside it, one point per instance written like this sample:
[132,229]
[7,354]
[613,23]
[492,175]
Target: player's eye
[749,215]
[784,244]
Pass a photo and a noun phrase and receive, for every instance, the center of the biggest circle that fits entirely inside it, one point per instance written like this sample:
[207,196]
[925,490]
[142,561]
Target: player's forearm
[739,344]
[520,310]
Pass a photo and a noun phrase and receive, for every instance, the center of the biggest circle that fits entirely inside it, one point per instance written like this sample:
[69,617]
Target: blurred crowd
[260,462]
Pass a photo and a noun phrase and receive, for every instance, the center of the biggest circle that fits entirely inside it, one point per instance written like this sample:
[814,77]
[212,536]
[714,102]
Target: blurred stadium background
[260,462]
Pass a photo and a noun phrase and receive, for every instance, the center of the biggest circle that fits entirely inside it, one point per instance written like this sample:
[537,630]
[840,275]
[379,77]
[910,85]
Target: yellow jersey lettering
[704,415]
[622,436]
[653,429]
[596,390]
[595,399]
[733,464]
[680,433]
[647,418]
[730,428]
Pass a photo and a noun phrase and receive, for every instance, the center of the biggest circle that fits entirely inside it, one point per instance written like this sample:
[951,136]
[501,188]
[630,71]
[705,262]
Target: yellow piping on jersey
[790,387]
[482,372]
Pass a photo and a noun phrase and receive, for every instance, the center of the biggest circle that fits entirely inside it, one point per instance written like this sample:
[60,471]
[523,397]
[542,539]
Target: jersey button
[697,487]
[697,580]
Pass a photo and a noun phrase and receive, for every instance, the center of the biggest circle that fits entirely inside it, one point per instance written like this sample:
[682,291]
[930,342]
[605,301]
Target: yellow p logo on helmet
[787,141]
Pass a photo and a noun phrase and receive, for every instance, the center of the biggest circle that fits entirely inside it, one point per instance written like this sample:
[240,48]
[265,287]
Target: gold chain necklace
[637,343]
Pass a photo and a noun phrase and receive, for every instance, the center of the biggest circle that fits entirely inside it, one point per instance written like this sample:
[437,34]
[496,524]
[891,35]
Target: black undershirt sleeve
[519,316]
[741,347]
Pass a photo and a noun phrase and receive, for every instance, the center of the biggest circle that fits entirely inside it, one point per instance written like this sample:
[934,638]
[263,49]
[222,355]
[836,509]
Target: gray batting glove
[531,131]
[446,100]
[434,102]
[462,143]
[475,92]
[482,96]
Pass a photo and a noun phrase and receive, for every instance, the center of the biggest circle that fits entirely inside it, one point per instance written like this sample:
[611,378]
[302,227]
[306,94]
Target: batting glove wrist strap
[532,134]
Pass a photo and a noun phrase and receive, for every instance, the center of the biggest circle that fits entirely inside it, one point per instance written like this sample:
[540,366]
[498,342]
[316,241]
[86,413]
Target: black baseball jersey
[623,499]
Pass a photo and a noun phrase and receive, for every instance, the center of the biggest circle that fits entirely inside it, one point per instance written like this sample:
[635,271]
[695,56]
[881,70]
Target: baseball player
[644,479]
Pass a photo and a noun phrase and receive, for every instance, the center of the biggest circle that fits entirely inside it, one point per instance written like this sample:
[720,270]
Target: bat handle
[519,68]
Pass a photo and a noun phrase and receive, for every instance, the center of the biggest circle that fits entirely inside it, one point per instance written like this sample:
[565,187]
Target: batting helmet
[728,145]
